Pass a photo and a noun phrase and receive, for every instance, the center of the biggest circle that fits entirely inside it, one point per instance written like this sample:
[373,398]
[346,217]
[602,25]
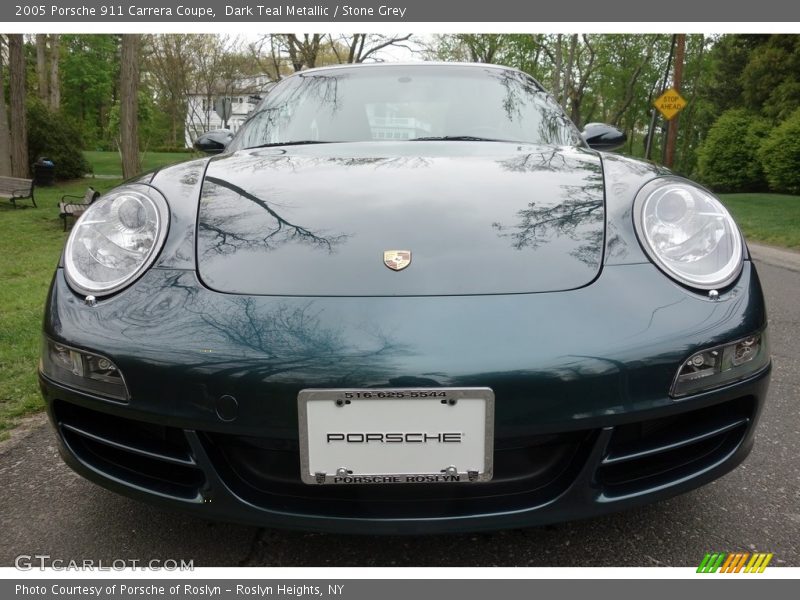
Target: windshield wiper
[456,138]
[291,143]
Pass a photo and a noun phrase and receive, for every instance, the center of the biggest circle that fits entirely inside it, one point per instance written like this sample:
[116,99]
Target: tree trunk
[569,92]
[129,105]
[5,136]
[291,43]
[557,66]
[311,50]
[19,126]
[41,66]
[55,81]
[677,80]
[351,57]
[173,134]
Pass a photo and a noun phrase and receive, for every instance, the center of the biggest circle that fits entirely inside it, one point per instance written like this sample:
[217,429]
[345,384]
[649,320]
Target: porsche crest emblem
[397,260]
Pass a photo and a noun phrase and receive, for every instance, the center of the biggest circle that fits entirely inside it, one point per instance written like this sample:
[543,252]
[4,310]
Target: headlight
[688,233]
[116,239]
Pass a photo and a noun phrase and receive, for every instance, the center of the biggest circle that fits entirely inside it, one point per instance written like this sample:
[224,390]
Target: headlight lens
[688,233]
[116,239]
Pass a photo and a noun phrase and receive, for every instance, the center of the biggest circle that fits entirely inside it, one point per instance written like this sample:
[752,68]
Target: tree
[363,46]
[303,52]
[55,82]
[729,56]
[209,50]
[728,159]
[89,68]
[129,102]
[47,72]
[58,138]
[771,78]
[611,78]
[5,135]
[170,62]
[17,90]
[780,156]
[42,72]
[278,54]
[699,114]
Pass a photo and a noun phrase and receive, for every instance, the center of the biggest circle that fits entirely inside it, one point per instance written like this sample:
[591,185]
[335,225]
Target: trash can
[44,172]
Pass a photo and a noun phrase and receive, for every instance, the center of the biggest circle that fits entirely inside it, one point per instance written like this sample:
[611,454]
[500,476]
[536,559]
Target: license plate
[381,436]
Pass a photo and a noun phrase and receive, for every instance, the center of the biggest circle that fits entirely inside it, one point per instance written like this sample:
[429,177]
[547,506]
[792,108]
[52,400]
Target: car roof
[422,63]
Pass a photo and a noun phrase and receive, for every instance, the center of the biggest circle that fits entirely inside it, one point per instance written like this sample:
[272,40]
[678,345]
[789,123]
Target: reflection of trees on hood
[245,336]
[578,215]
[287,337]
[191,176]
[225,227]
[549,160]
[280,161]
[233,218]
[404,162]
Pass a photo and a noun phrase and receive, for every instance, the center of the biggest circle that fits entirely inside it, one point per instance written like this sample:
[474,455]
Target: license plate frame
[474,406]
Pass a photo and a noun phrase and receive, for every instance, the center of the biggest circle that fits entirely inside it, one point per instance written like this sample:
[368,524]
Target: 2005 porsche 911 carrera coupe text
[406,298]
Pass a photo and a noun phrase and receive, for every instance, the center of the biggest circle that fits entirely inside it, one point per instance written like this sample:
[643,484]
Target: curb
[777,257]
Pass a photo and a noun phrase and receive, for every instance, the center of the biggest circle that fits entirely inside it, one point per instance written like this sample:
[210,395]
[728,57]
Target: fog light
[82,370]
[721,365]
[745,350]
[701,365]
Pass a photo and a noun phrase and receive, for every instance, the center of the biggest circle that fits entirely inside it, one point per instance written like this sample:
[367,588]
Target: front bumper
[584,425]
[577,475]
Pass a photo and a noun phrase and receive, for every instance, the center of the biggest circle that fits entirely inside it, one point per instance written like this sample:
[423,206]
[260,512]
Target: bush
[780,155]
[53,136]
[728,157]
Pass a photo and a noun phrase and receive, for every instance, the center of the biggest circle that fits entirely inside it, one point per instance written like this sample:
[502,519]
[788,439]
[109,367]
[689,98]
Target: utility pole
[654,113]
[677,77]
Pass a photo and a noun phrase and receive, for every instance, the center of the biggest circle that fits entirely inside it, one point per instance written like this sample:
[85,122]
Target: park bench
[75,209]
[15,189]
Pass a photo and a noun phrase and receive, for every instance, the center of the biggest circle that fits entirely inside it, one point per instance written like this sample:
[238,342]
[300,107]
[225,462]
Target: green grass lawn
[768,218]
[31,240]
[108,163]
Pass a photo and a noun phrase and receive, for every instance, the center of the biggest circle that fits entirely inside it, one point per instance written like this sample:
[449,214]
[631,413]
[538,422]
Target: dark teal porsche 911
[406,299]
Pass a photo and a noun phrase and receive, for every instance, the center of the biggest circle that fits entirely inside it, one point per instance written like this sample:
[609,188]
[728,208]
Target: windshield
[419,102]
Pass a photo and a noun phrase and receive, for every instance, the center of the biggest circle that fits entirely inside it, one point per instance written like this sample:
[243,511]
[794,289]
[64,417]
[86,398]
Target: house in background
[244,94]
[387,121]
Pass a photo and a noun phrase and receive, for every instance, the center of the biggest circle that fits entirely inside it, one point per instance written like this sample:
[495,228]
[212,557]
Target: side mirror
[214,141]
[600,136]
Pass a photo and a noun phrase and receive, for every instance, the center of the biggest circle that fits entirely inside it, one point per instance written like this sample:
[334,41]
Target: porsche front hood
[476,218]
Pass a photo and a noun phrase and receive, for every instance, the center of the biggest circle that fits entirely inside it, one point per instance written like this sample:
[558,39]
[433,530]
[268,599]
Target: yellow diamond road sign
[670,103]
